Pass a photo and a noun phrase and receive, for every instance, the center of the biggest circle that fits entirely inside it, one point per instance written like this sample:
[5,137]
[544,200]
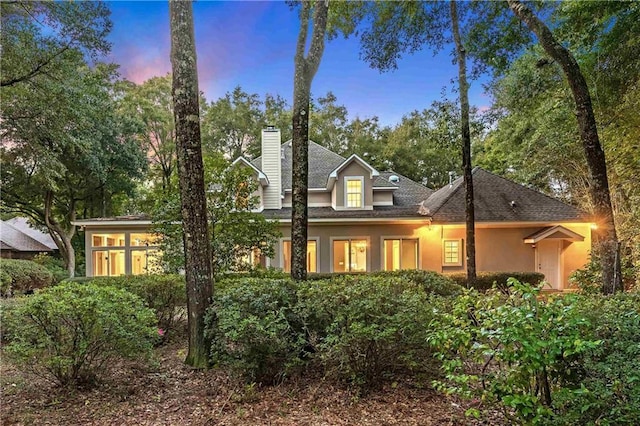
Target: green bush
[22,276]
[513,351]
[606,387]
[485,280]
[71,333]
[366,329]
[165,294]
[254,329]
[53,265]
[7,307]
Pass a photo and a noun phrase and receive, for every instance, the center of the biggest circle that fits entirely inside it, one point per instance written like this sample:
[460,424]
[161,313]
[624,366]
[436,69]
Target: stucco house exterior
[362,219]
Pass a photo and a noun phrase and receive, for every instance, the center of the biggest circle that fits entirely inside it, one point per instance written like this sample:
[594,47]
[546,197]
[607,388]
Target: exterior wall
[382,198]
[354,170]
[316,199]
[499,248]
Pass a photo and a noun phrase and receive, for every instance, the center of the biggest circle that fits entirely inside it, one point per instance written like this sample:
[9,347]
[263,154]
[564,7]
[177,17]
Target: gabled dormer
[259,176]
[351,184]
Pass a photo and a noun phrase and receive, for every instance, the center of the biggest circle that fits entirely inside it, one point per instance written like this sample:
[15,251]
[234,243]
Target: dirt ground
[172,394]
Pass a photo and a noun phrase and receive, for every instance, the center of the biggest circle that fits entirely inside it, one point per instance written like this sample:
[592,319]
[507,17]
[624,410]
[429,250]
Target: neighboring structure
[361,219]
[18,240]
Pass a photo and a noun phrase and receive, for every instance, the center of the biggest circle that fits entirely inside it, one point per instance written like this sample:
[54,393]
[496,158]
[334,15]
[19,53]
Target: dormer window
[354,193]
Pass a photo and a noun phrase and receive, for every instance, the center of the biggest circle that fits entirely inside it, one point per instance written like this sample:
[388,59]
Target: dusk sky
[252,44]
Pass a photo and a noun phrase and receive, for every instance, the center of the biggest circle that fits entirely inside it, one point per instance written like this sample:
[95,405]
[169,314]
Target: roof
[322,162]
[17,235]
[557,232]
[497,199]
[132,219]
[378,212]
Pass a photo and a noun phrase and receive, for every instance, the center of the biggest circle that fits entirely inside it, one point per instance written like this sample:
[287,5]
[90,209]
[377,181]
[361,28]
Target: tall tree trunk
[461,56]
[305,69]
[191,177]
[61,236]
[606,244]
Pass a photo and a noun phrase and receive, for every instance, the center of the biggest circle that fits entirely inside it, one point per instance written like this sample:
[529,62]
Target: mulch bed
[173,394]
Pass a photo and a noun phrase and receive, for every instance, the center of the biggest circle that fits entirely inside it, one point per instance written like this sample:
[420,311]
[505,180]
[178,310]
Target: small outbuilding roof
[18,235]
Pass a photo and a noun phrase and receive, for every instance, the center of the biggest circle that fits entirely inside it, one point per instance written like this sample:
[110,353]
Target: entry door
[548,260]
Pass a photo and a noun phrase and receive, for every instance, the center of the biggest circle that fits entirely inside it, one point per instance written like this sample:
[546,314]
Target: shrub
[608,376]
[165,294]
[53,265]
[368,328]
[254,329]
[22,276]
[7,307]
[485,280]
[512,350]
[72,332]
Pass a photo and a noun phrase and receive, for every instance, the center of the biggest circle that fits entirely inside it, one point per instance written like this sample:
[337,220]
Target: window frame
[317,241]
[348,179]
[400,238]
[350,239]
[127,248]
[444,252]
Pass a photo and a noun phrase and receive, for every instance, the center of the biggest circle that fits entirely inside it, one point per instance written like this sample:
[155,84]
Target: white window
[400,253]
[353,190]
[312,256]
[452,252]
[124,253]
[350,255]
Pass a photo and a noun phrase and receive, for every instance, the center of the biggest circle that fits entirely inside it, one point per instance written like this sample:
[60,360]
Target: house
[19,240]
[362,219]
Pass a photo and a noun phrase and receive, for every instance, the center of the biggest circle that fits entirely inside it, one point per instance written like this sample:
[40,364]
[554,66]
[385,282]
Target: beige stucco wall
[354,170]
[497,249]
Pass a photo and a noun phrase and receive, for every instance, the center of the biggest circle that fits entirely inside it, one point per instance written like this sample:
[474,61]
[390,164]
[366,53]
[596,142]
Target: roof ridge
[455,185]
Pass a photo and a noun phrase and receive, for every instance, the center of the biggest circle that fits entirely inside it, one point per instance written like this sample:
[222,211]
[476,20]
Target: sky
[252,43]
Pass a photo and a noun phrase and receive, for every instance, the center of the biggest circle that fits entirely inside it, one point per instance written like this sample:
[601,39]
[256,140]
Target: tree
[186,109]
[328,123]
[306,66]
[231,125]
[466,145]
[607,241]
[150,102]
[66,151]
[37,36]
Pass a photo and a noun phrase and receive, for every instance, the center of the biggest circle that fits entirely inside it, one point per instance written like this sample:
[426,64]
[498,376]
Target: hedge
[22,276]
[485,280]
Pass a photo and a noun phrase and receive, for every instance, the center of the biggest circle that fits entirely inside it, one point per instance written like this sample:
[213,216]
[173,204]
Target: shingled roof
[17,235]
[322,162]
[497,199]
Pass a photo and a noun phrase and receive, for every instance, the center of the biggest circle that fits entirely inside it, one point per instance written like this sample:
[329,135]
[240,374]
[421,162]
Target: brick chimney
[272,167]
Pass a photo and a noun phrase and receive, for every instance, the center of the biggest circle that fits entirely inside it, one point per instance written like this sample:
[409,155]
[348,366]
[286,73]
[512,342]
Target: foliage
[7,308]
[609,374]
[71,333]
[368,329]
[71,151]
[486,280]
[514,351]
[22,276]
[255,330]
[164,294]
[53,265]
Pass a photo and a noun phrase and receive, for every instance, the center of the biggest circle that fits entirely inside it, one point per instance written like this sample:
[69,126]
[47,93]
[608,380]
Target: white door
[548,260]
